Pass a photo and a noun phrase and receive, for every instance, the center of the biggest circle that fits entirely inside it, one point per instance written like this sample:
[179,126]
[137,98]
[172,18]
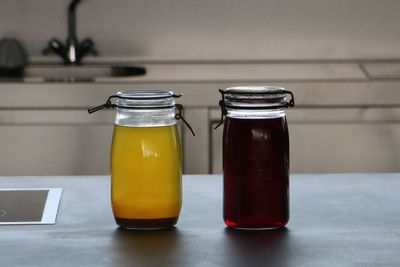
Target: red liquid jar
[255,157]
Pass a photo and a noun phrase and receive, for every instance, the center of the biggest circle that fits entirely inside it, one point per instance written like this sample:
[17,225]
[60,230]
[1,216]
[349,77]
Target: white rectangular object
[50,208]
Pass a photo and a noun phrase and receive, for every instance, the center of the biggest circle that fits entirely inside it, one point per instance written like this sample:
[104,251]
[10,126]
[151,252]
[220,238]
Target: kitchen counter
[208,71]
[336,220]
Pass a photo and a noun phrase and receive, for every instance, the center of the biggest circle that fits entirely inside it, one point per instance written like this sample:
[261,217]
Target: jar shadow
[146,247]
[247,247]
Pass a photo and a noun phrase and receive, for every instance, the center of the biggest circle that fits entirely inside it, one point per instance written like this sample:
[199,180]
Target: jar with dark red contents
[255,156]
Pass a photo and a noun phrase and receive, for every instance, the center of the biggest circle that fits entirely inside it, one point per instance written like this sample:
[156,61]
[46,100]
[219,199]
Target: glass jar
[255,157]
[146,191]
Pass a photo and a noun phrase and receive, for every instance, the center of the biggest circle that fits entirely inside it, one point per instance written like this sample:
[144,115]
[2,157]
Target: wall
[214,29]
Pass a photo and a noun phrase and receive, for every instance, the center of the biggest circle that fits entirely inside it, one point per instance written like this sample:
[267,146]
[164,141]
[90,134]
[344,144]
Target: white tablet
[29,205]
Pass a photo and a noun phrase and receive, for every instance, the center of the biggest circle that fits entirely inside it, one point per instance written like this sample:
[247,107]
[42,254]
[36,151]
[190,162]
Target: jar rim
[146,99]
[256,97]
[146,94]
[254,90]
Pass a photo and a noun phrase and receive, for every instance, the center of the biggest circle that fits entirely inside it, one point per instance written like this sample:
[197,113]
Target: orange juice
[146,176]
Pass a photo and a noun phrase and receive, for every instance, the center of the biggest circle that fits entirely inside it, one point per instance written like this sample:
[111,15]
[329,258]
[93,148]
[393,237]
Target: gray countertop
[336,220]
[208,72]
[294,71]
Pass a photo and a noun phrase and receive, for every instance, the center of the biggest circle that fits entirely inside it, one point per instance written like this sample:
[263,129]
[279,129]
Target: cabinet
[335,140]
[343,121]
[54,142]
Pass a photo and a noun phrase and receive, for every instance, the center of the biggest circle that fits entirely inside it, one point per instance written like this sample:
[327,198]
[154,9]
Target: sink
[84,73]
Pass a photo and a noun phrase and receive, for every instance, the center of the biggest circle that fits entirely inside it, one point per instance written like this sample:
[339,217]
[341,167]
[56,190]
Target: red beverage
[256,172]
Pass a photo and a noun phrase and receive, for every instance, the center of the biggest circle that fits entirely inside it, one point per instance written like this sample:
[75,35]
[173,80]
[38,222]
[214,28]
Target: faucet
[72,51]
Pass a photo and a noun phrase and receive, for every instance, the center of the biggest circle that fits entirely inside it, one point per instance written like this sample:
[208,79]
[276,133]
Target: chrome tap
[72,51]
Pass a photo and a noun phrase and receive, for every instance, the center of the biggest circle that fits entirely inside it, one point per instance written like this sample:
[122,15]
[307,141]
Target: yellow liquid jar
[146,190]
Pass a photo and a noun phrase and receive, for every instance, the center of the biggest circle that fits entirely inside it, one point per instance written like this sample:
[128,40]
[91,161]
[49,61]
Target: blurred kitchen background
[340,58]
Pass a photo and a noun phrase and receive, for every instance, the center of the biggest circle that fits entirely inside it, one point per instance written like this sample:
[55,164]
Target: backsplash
[180,30]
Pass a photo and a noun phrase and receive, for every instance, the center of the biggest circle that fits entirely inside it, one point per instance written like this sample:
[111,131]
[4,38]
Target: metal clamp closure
[179,116]
[110,104]
[224,106]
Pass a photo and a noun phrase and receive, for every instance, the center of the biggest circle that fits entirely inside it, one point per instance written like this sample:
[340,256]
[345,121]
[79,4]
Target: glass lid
[145,99]
[146,94]
[257,97]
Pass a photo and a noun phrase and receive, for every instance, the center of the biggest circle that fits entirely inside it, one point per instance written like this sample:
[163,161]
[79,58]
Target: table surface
[336,220]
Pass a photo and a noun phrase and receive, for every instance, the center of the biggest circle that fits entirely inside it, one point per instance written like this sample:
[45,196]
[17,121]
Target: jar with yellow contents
[146,191]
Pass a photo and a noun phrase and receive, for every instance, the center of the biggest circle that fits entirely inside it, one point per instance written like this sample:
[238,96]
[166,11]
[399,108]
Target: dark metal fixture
[72,51]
